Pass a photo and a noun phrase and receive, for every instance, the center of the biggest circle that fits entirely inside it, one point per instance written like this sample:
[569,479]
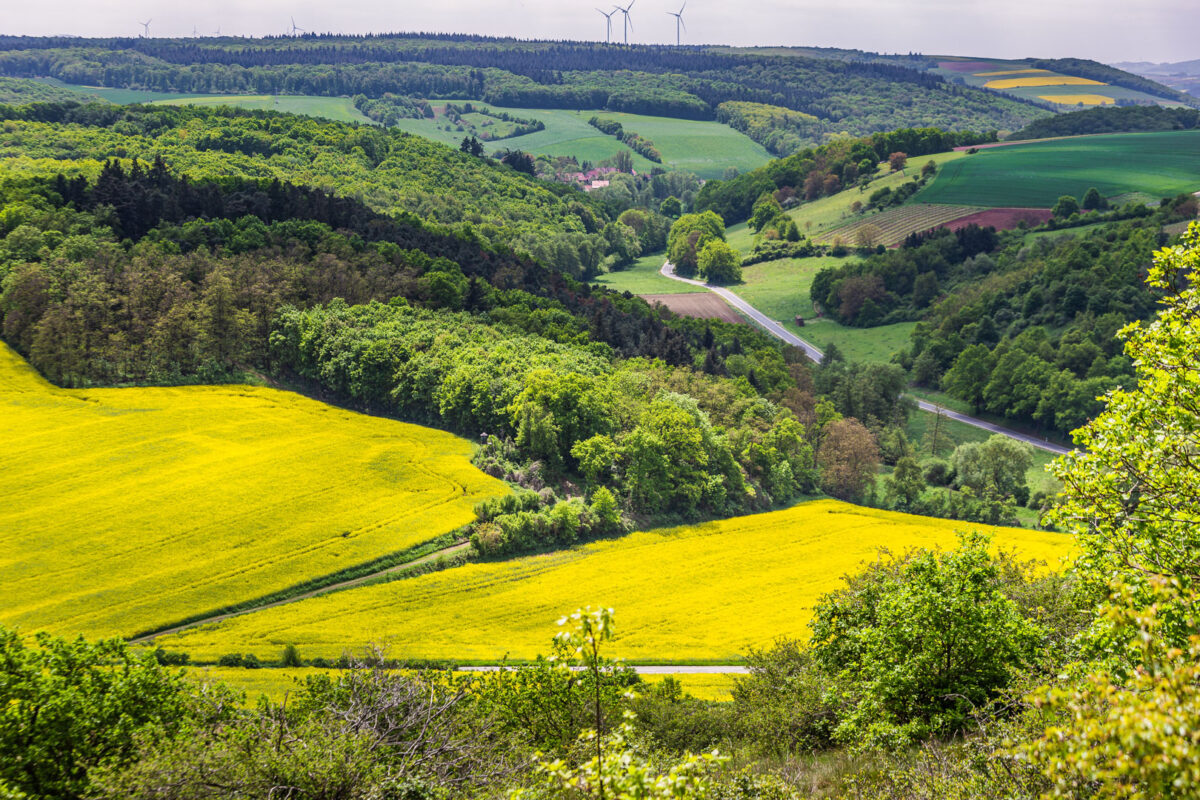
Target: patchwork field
[705,148]
[695,593]
[1037,174]
[1022,79]
[1040,80]
[1078,99]
[894,225]
[122,510]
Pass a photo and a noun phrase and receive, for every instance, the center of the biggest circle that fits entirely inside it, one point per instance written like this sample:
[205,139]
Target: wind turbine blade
[681,22]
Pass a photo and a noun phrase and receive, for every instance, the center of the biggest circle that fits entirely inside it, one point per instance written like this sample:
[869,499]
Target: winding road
[812,351]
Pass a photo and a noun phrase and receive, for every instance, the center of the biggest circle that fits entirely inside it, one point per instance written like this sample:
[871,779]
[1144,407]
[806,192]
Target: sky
[1105,30]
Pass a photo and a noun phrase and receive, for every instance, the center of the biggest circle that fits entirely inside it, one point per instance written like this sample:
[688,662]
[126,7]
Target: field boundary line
[815,353]
[262,604]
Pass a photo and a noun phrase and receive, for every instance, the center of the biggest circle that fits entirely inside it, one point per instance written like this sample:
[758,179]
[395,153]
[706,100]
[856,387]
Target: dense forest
[1024,329]
[389,170]
[1113,119]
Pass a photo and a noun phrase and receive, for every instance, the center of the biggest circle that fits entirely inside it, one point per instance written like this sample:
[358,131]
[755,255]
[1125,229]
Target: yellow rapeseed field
[1076,99]
[125,509]
[277,684]
[700,592]
[1049,80]
[998,73]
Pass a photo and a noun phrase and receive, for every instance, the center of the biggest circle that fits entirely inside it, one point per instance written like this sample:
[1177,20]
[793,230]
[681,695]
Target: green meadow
[1037,174]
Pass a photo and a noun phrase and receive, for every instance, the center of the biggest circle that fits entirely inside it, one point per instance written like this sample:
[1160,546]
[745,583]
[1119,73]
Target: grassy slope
[125,509]
[338,109]
[1038,174]
[703,592]
[706,148]
[644,278]
[828,213]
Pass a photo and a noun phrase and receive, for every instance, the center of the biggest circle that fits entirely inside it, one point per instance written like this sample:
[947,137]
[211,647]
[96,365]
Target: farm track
[333,587]
[812,351]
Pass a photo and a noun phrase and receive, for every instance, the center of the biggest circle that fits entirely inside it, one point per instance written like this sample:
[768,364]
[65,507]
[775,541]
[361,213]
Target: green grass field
[123,510]
[338,109]
[1036,175]
[705,148]
[644,278]
[696,593]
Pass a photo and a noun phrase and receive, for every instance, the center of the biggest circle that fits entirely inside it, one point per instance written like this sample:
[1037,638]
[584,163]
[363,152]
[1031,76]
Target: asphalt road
[783,334]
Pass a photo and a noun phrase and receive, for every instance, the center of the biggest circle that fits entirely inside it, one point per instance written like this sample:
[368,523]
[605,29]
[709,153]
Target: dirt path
[779,332]
[333,587]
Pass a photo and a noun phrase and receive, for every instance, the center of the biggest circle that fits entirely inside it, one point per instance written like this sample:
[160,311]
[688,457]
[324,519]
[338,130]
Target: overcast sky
[1106,30]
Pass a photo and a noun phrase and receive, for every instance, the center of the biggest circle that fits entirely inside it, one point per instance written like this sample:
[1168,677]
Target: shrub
[291,657]
[918,642]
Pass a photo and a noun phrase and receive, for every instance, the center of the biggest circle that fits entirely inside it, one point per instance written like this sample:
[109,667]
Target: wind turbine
[217,32]
[625,11]
[146,28]
[195,33]
[608,24]
[678,20]
[294,28]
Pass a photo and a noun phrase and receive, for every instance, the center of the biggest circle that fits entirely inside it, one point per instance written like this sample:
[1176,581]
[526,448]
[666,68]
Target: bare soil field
[1002,219]
[703,306]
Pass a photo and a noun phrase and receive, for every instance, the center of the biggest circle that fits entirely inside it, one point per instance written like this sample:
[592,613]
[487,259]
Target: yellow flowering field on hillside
[694,593]
[1076,99]
[1000,72]
[126,509]
[1049,80]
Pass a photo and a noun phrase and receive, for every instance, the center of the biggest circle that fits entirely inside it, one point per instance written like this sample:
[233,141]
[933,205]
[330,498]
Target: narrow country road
[812,351]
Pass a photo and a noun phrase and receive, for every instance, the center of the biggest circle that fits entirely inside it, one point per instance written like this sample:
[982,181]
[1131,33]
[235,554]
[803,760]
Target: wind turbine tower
[607,24]
[678,20]
[146,28]
[294,28]
[625,11]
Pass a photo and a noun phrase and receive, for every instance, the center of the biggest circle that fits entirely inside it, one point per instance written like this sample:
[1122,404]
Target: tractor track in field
[813,352]
[333,587]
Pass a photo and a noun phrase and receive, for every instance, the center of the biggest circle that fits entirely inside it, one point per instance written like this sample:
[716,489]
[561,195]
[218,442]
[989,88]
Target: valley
[437,416]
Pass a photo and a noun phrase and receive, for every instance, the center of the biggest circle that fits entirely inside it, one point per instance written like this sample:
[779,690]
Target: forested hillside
[390,171]
[1022,328]
[841,96]
[143,275]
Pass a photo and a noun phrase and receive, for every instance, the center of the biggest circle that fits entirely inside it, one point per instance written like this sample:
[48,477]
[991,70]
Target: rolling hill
[127,509]
[690,594]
